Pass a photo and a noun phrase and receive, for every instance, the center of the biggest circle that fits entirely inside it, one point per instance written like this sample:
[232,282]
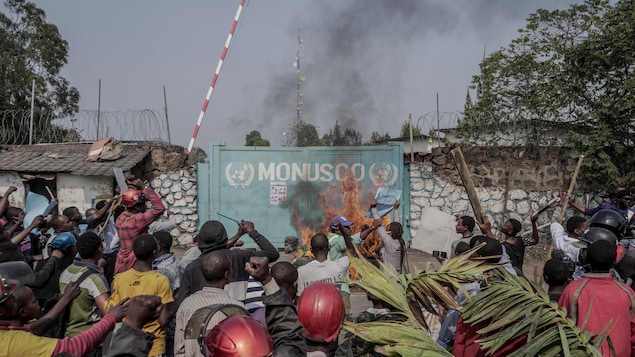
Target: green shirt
[338,245]
[84,313]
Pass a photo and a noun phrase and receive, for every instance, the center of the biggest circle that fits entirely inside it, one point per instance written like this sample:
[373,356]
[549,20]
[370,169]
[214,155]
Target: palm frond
[408,294]
[517,308]
[396,339]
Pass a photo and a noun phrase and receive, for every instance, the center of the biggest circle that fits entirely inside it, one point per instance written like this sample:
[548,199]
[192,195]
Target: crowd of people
[106,283]
[591,273]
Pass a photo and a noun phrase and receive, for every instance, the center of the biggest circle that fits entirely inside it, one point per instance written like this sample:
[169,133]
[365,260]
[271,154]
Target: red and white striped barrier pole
[215,78]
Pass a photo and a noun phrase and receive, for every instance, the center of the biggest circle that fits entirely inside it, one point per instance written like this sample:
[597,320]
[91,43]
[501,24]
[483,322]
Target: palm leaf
[517,307]
[397,339]
[409,294]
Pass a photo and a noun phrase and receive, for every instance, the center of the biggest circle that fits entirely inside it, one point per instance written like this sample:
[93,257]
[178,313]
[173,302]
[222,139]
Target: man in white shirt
[329,271]
[322,269]
[565,240]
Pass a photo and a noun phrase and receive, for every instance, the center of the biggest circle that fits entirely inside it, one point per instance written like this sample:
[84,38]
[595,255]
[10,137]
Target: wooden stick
[544,208]
[111,210]
[50,193]
[571,186]
[509,180]
[459,160]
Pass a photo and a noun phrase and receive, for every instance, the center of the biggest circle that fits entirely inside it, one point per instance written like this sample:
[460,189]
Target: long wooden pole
[461,166]
[509,180]
[571,186]
[32,113]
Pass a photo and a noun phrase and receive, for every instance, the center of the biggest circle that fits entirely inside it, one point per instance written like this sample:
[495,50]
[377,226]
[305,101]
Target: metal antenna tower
[299,80]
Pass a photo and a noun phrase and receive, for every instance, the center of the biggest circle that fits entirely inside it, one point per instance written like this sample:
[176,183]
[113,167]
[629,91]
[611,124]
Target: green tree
[342,137]
[32,49]
[254,139]
[405,130]
[307,135]
[570,72]
[376,138]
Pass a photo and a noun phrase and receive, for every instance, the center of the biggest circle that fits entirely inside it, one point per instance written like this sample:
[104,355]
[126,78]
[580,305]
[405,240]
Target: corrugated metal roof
[66,158]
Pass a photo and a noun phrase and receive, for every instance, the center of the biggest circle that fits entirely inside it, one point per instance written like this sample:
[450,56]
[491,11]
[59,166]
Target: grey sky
[367,63]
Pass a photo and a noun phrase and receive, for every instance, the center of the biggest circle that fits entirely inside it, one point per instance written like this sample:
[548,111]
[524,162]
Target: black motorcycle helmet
[611,220]
[595,234]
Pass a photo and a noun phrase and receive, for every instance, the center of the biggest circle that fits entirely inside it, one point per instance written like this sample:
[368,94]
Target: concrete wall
[82,192]
[79,191]
[12,179]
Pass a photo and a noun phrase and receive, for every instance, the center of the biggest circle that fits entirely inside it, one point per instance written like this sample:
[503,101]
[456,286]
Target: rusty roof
[67,158]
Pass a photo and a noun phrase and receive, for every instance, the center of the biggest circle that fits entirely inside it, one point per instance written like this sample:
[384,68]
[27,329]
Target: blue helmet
[63,241]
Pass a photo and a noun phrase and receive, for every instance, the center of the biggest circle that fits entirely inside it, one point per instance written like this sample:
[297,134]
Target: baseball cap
[343,221]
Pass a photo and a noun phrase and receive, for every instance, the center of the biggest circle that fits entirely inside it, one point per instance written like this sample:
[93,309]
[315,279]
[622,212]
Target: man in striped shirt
[216,267]
[90,305]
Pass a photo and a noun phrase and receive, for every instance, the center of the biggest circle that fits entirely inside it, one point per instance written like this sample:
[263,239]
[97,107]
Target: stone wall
[174,179]
[178,192]
[537,176]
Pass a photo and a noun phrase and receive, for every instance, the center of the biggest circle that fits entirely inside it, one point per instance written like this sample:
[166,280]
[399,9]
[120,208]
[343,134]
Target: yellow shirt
[133,283]
[23,343]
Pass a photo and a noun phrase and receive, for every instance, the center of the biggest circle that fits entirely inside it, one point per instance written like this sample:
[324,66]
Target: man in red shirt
[134,221]
[597,301]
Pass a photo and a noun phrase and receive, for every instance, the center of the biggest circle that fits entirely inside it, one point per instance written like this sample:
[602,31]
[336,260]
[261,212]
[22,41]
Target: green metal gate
[295,191]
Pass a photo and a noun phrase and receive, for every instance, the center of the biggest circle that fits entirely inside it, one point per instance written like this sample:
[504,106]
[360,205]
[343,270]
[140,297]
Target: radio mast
[300,78]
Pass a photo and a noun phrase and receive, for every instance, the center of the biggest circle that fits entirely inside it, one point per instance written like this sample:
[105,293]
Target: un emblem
[239,174]
[383,174]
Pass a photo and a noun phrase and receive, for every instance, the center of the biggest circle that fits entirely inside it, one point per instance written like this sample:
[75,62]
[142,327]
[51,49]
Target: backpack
[59,328]
[364,348]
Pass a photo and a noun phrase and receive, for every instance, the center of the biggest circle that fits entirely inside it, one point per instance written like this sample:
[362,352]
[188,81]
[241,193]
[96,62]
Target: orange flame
[342,199]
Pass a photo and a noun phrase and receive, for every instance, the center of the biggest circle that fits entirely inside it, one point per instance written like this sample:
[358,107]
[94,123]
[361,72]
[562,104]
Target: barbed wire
[429,122]
[147,125]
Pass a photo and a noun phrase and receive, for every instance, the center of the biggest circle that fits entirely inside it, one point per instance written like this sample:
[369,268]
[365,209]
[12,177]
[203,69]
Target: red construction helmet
[131,197]
[239,336]
[321,312]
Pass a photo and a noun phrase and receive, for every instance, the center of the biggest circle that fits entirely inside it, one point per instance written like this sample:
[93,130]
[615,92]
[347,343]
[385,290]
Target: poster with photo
[277,192]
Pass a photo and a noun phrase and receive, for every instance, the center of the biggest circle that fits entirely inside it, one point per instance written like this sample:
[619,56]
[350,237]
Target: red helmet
[321,312]
[239,336]
[131,197]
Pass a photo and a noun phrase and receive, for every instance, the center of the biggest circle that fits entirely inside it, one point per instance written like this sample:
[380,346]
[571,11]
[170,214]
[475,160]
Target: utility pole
[98,109]
[438,120]
[167,122]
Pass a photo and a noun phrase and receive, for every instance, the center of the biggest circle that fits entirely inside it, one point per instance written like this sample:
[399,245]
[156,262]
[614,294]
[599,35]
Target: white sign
[277,192]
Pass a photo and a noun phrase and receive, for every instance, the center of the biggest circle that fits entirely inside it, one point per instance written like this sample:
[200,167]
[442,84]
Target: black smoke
[356,55]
